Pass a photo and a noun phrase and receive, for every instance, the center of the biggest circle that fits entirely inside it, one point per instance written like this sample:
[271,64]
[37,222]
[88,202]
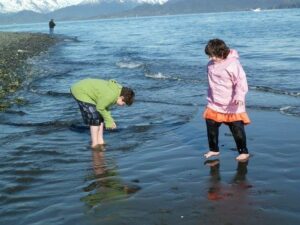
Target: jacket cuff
[108,123]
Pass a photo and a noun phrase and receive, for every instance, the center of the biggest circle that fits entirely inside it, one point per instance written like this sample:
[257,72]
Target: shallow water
[152,171]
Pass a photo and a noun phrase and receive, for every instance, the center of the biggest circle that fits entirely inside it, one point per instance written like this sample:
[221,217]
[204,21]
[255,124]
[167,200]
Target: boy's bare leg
[100,139]
[94,135]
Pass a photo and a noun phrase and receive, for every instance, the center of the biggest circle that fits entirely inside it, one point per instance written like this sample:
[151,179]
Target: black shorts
[89,113]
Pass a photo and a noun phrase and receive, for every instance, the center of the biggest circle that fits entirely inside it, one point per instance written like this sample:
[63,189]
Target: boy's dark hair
[217,48]
[128,95]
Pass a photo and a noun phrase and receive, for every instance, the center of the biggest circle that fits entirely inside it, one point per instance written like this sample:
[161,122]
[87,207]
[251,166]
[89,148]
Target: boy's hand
[113,126]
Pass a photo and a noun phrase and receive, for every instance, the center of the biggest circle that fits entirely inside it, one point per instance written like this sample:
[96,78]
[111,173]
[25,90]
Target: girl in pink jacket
[226,97]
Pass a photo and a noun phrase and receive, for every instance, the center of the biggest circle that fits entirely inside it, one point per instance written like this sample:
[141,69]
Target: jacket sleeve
[240,85]
[102,108]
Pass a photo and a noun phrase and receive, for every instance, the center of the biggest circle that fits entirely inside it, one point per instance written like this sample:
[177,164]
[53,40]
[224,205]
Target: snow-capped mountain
[45,6]
[34,5]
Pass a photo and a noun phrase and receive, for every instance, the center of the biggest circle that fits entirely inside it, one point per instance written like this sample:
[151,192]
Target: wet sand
[15,49]
[178,186]
[171,181]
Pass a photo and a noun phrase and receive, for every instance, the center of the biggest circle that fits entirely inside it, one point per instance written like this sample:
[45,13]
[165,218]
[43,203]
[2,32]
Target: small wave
[70,39]
[286,110]
[161,76]
[135,128]
[26,179]
[56,124]
[277,91]
[14,137]
[290,110]
[42,152]
[51,93]
[156,76]
[264,108]
[129,65]
[138,128]
[54,93]
[15,189]
[79,63]
[79,128]
[20,113]
[32,172]
[168,103]
[64,160]
[85,128]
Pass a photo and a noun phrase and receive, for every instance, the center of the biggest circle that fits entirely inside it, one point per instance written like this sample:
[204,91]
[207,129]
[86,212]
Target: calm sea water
[48,173]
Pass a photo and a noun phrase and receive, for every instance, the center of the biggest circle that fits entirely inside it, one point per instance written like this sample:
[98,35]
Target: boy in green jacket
[94,97]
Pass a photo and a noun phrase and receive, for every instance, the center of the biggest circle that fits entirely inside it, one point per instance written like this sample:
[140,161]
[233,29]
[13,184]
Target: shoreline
[15,49]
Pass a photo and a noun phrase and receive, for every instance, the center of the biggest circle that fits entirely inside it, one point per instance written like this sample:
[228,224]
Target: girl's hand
[238,102]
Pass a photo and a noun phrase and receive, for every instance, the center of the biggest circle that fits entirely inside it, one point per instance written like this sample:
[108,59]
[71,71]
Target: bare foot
[101,142]
[94,145]
[243,157]
[98,147]
[210,154]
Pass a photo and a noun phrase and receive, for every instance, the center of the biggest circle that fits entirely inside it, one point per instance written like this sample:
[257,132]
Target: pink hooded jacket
[227,83]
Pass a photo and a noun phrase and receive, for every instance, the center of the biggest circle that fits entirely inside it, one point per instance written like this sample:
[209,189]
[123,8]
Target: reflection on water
[105,184]
[219,191]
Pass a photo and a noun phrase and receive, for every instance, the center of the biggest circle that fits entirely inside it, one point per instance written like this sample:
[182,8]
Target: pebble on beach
[15,49]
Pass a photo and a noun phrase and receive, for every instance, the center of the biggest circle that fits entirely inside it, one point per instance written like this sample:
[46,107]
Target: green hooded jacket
[102,93]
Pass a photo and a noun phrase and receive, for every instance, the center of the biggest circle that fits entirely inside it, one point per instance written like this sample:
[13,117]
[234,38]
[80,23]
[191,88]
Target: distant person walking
[51,26]
[226,97]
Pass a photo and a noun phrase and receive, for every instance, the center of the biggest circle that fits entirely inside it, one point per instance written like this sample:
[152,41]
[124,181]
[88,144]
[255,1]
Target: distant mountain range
[200,6]
[46,6]
[94,9]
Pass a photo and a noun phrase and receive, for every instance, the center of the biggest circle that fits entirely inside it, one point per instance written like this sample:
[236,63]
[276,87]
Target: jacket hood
[233,54]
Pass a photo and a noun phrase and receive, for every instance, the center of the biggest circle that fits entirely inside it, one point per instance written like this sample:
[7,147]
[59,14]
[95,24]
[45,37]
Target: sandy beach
[15,49]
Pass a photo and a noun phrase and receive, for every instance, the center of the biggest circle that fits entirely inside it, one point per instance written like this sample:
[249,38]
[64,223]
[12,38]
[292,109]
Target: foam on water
[129,65]
[276,91]
[290,110]
[161,76]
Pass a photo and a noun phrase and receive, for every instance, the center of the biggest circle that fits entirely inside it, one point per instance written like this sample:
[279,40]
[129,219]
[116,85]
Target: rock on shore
[15,49]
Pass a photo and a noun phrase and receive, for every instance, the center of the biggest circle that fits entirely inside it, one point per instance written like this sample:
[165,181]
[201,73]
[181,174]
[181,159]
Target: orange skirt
[226,118]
